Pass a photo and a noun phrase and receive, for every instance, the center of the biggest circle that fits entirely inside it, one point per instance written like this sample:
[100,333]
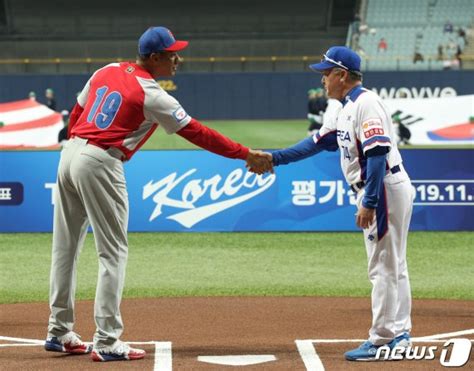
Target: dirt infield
[293,333]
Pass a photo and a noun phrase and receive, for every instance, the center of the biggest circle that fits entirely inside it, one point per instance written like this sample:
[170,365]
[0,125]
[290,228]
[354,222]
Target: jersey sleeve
[326,137]
[162,108]
[373,124]
[84,94]
[212,140]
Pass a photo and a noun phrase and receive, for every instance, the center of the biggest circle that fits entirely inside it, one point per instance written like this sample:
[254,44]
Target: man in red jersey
[117,111]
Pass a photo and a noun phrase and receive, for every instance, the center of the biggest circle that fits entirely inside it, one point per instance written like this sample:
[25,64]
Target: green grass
[199,264]
[254,134]
[257,134]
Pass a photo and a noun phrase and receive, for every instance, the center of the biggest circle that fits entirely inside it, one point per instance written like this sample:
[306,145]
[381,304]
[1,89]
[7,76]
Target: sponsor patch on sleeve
[373,132]
[372,128]
[180,114]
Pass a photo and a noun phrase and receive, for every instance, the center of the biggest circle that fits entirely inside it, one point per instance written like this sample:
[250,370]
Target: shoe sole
[363,359]
[52,347]
[97,357]
[372,360]
[404,343]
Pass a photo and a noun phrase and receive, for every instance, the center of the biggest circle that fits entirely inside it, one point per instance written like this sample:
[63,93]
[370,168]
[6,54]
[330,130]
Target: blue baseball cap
[338,56]
[158,39]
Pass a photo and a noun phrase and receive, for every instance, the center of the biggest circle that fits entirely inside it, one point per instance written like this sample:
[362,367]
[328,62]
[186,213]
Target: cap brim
[325,65]
[177,46]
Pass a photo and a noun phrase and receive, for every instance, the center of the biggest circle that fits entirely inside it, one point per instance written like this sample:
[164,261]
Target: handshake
[259,162]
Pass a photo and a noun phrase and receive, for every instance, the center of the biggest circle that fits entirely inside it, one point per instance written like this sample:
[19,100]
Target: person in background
[418,57]
[50,101]
[448,27]
[402,132]
[317,104]
[32,96]
[62,135]
[382,46]
[440,53]
[462,34]
[458,57]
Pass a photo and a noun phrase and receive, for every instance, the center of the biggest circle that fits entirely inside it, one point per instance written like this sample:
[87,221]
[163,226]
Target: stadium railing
[228,64]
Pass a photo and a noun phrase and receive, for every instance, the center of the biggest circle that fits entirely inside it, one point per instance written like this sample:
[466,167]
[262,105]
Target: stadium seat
[413,26]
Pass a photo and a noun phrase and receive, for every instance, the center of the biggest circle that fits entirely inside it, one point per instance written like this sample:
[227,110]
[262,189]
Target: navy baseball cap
[338,56]
[158,39]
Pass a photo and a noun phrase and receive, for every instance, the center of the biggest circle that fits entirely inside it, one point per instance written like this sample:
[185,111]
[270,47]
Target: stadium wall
[249,95]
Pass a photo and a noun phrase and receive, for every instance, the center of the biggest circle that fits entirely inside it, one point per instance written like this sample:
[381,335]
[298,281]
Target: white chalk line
[430,338]
[19,345]
[447,335]
[163,356]
[163,350]
[22,340]
[309,356]
[312,362]
[424,339]
[437,338]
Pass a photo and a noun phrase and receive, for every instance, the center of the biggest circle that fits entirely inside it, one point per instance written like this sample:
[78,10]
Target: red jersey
[123,105]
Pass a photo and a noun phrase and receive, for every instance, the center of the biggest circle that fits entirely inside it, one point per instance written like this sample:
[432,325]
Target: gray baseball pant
[91,189]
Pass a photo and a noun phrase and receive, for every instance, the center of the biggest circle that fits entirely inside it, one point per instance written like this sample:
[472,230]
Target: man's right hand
[259,162]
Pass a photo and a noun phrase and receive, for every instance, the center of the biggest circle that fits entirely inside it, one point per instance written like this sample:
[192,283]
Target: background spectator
[462,34]
[447,64]
[440,53]
[382,46]
[448,27]
[458,57]
[62,135]
[317,104]
[418,57]
[403,133]
[32,95]
[451,48]
[50,101]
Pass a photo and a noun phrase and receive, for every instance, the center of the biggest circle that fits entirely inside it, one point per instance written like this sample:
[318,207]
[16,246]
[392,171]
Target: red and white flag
[28,124]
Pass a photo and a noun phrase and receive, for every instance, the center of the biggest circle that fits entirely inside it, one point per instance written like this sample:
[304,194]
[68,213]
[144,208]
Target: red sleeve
[212,140]
[73,117]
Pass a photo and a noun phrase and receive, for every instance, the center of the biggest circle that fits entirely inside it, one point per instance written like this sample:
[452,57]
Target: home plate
[243,360]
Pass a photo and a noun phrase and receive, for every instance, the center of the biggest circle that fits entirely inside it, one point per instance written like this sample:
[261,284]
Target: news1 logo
[11,193]
[454,353]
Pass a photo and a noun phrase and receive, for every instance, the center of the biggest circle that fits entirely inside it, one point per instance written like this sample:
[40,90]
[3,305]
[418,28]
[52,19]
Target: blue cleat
[403,340]
[368,351]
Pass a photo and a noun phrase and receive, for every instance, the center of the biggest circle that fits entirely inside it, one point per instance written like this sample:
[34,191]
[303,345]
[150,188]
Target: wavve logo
[188,190]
